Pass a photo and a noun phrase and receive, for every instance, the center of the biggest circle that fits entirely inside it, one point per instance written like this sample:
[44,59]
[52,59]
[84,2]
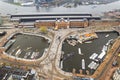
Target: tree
[43,29]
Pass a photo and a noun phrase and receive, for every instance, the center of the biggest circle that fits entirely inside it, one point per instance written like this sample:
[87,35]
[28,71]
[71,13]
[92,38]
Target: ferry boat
[18,52]
[9,43]
[83,64]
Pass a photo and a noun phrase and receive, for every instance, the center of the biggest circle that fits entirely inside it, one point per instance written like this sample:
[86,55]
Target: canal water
[6,8]
[28,43]
[87,50]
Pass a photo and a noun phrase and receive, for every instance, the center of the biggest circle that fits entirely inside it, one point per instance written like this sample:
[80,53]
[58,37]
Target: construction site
[81,46]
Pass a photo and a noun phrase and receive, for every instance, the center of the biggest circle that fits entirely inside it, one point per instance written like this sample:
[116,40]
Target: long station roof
[52,16]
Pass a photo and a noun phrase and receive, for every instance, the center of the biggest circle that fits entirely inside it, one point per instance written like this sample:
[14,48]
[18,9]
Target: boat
[12,51]
[61,64]
[90,65]
[29,48]
[93,65]
[107,35]
[33,54]
[80,41]
[83,64]
[109,42]
[18,52]
[88,42]
[27,54]
[72,42]
[102,54]
[9,43]
[93,56]
[79,51]
[36,54]
[104,48]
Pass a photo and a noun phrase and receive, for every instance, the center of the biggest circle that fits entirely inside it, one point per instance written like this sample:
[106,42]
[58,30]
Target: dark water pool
[87,49]
[28,43]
